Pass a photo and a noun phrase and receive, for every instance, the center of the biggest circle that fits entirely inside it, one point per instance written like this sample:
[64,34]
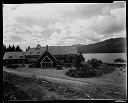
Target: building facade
[14,58]
[50,56]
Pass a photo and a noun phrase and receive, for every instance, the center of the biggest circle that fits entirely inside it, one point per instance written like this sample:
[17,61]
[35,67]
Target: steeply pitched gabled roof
[14,55]
[62,50]
[54,50]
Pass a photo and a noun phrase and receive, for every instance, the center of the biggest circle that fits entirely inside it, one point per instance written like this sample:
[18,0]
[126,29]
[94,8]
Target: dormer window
[10,56]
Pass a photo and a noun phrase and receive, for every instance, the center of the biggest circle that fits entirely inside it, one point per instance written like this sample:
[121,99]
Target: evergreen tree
[9,48]
[13,48]
[78,60]
[4,49]
[28,47]
[18,48]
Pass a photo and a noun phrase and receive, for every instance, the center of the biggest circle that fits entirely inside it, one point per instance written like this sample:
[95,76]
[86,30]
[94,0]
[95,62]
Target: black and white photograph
[64,51]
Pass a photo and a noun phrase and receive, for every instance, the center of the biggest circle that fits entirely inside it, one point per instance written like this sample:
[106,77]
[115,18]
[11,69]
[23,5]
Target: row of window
[69,55]
[32,56]
[15,61]
[33,52]
[11,57]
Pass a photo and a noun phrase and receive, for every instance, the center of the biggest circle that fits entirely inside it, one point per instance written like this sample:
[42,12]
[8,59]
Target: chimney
[46,47]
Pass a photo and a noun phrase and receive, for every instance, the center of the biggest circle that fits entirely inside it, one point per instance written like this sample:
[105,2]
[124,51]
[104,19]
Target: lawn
[33,89]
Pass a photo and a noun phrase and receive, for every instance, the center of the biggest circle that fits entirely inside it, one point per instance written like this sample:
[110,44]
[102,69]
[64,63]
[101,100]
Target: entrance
[46,62]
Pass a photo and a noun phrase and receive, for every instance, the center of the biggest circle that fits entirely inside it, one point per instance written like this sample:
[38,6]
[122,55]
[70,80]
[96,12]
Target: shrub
[34,77]
[119,60]
[95,63]
[86,71]
[59,67]
[78,60]
[14,66]
[32,66]
[89,70]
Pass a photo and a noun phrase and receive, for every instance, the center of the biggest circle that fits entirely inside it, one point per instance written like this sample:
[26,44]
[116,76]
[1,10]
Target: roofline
[49,52]
[14,51]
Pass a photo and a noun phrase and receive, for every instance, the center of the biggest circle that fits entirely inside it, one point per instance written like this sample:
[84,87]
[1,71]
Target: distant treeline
[11,48]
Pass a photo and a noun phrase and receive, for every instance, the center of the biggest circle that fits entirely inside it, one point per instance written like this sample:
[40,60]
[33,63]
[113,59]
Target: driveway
[52,74]
[109,82]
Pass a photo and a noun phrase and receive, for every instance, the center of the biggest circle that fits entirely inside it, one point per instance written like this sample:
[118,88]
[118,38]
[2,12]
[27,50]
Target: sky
[62,23]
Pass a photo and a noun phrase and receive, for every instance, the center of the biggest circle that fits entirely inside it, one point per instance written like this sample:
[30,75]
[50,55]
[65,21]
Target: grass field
[32,89]
[110,86]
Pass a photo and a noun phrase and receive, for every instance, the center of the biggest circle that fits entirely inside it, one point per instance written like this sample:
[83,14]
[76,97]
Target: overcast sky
[62,24]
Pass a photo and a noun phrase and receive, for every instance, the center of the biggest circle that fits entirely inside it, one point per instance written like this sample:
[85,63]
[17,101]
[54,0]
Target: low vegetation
[35,88]
[59,67]
[92,68]
[94,63]
[24,88]
[83,72]
[11,92]
[119,60]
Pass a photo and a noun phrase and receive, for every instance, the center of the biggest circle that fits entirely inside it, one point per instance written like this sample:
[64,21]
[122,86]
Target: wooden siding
[46,53]
[14,61]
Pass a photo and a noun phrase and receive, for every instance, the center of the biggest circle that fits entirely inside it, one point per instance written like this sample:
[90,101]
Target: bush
[119,60]
[78,60]
[86,71]
[11,92]
[14,66]
[59,67]
[95,63]
[32,66]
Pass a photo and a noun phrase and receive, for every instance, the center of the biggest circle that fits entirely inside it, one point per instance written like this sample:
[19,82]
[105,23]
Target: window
[10,56]
[31,52]
[21,56]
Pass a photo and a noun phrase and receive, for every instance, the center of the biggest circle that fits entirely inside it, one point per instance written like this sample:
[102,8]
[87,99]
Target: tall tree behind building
[18,48]
[4,49]
[13,48]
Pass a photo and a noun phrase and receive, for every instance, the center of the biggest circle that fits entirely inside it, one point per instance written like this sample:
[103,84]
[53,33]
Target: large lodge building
[49,56]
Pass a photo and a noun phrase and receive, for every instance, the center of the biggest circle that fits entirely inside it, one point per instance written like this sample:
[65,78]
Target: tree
[81,58]
[95,63]
[78,60]
[28,47]
[4,49]
[119,60]
[18,48]
[13,48]
[9,48]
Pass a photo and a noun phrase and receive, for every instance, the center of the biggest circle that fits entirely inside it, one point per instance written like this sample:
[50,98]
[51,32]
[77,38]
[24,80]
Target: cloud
[16,39]
[62,24]
[108,24]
